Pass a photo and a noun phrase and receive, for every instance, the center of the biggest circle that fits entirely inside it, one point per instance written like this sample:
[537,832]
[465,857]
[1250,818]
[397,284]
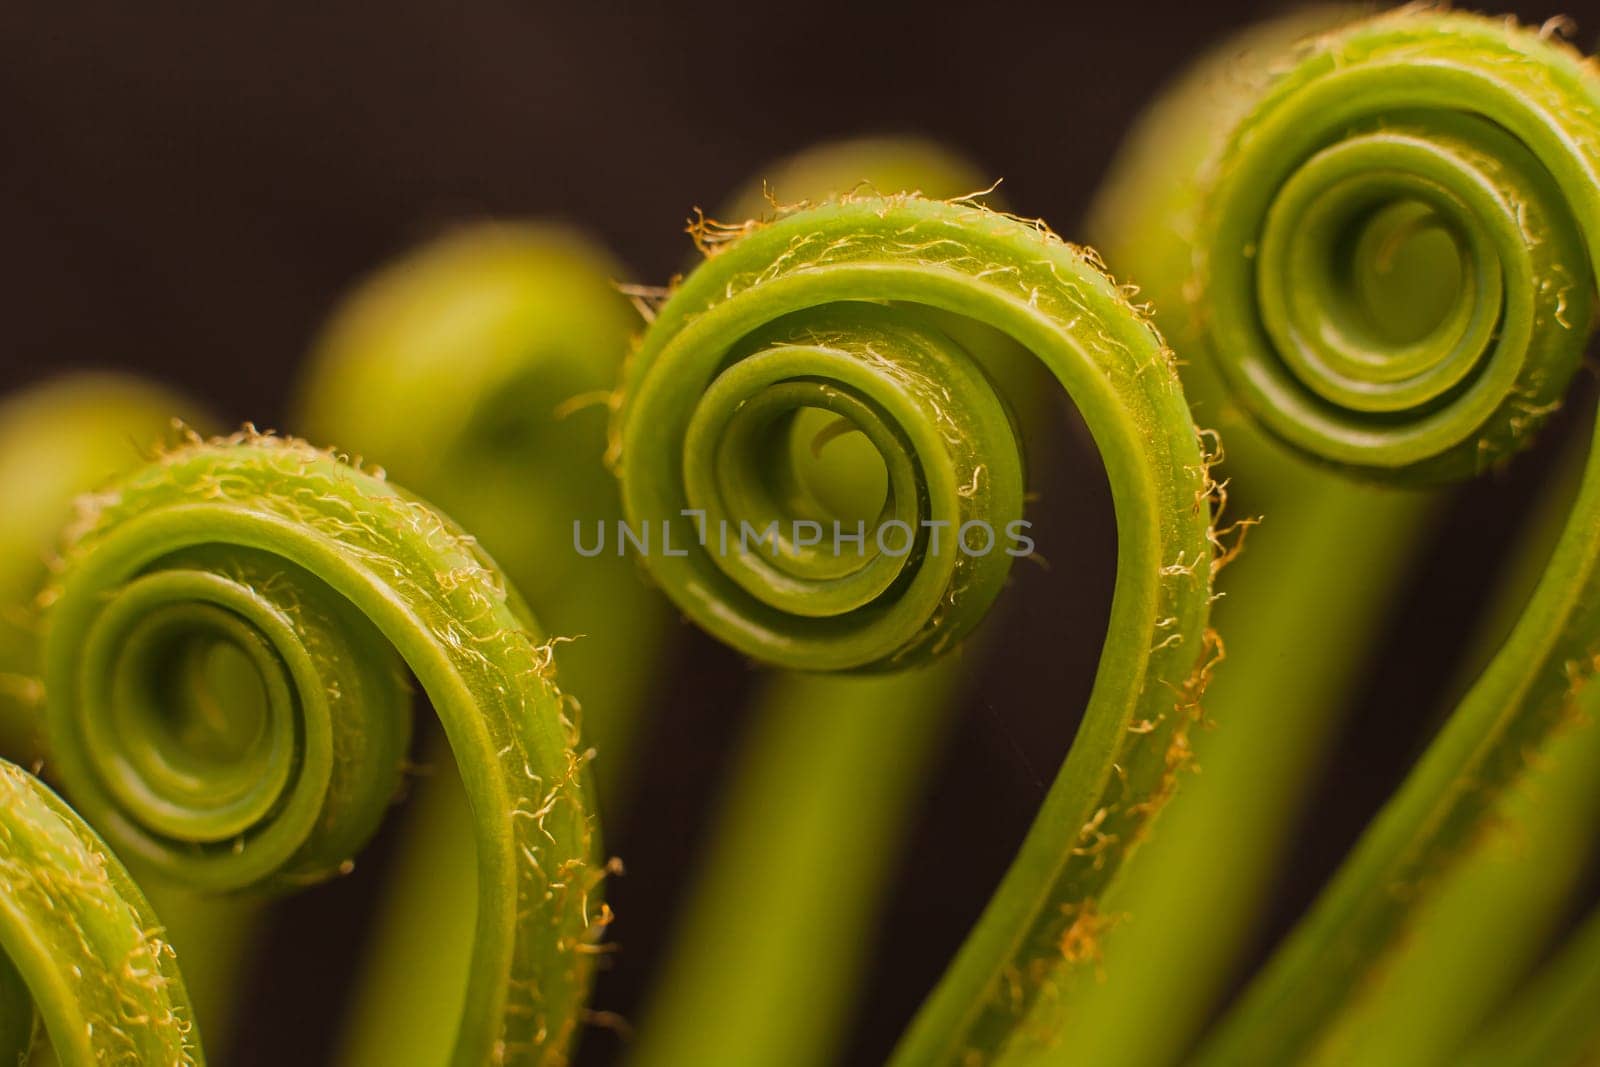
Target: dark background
[185,191]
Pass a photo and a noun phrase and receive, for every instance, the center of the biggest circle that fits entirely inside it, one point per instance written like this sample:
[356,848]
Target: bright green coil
[840,317]
[225,663]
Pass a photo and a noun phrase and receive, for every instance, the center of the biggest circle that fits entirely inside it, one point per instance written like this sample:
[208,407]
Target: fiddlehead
[1393,262]
[223,664]
[811,760]
[60,439]
[1392,271]
[79,947]
[827,308]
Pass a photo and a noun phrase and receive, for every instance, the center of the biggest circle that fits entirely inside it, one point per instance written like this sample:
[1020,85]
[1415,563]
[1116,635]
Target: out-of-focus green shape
[769,956]
[477,370]
[1552,1023]
[866,165]
[80,948]
[58,440]
[778,928]
[1300,613]
[1368,247]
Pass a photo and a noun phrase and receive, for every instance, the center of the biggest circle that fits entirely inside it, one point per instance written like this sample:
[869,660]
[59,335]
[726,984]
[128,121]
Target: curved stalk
[822,311]
[804,899]
[1391,264]
[773,942]
[1482,929]
[490,353]
[1302,607]
[79,946]
[224,663]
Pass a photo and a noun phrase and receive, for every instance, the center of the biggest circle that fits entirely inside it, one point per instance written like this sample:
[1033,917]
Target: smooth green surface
[476,371]
[1301,610]
[755,300]
[1477,935]
[322,566]
[765,964]
[88,949]
[1552,1023]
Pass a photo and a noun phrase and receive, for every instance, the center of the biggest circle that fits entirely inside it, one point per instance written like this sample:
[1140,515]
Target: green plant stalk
[58,440]
[418,959]
[79,945]
[1552,1023]
[1484,927]
[1482,930]
[766,959]
[802,896]
[1301,605]
[476,371]
[1392,264]
[774,324]
[1300,612]
[263,575]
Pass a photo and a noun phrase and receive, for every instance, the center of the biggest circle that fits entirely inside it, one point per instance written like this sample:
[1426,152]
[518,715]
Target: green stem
[262,576]
[1391,264]
[765,961]
[79,945]
[1302,606]
[774,324]
[804,896]
[1481,930]
[1552,1023]
[476,371]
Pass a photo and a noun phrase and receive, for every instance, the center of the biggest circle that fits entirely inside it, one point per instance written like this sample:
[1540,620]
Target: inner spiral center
[209,703]
[833,472]
[1404,273]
